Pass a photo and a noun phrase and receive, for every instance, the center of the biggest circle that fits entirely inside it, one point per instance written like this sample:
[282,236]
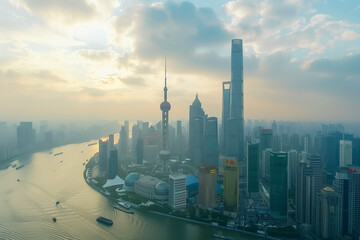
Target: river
[27,206]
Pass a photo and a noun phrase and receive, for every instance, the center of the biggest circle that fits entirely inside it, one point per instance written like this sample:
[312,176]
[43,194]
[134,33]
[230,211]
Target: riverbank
[137,207]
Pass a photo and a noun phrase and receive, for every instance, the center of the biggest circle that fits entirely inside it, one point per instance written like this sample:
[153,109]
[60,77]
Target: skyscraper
[177,190]
[140,151]
[345,153]
[329,221]
[196,111]
[123,143]
[225,115]
[206,197]
[347,184]
[113,164]
[111,141]
[293,158]
[26,137]
[307,190]
[179,140]
[103,158]
[198,141]
[231,185]
[278,185]
[253,170]
[236,99]
[211,142]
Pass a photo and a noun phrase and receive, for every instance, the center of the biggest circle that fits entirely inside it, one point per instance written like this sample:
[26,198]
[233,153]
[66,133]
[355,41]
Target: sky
[104,59]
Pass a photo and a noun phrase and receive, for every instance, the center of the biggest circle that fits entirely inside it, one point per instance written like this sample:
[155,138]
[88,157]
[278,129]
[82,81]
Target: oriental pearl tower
[165,107]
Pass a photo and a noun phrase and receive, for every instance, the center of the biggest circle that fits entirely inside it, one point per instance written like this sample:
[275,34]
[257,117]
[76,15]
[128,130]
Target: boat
[124,205]
[90,144]
[58,153]
[54,219]
[104,220]
[223,237]
[123,210]
[21,166]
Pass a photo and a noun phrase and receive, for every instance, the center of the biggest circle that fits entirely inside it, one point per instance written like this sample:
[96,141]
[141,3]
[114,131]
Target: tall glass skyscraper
[236,147]
[278,184]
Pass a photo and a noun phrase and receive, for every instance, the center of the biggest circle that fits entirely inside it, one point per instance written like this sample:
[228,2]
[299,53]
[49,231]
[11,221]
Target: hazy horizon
[92,60]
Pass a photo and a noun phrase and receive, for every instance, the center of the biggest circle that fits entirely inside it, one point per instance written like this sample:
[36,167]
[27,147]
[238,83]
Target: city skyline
[99,60]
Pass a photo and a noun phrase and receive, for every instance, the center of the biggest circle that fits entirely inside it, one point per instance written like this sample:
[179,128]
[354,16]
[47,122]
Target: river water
[27,206]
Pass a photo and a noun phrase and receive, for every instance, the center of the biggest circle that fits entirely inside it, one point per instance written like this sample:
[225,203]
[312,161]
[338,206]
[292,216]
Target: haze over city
[65,60]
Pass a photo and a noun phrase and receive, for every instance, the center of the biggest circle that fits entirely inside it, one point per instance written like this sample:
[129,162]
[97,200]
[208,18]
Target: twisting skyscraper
[235,134]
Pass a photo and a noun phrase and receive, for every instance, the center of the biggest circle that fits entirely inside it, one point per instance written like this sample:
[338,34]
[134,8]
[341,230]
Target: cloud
[286,25]
[350,35]
[186,34]
[67,12]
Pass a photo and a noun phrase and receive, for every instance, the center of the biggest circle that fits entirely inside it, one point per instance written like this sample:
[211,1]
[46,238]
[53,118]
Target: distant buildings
[345,153]
[177,190]
[26,137]
[231,185]
[278,185]
[123,142]
[206,197]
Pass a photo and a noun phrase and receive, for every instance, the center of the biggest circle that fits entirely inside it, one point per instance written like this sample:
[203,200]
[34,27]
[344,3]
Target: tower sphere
[165,106]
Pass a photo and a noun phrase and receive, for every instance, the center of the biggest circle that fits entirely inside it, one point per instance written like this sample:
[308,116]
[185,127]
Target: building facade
[231,185]
[278,185]
[177,191]
[206,197]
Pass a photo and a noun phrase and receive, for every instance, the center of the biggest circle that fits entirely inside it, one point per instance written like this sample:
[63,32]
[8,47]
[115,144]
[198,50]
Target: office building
[111,141]
[123,143]
[206,197]
[177,191]
[26,137]
[231,185]
[293,159]
[140,151]
[236,124]
[225,115]
[329,217]
[211,145]
[196,130]
[253,170]
[356,152]
[113,164]
[266,138]
[198,141]
[179,141]
[345,153]
[278,185]
[103,158]
[347,184]
[308,185]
